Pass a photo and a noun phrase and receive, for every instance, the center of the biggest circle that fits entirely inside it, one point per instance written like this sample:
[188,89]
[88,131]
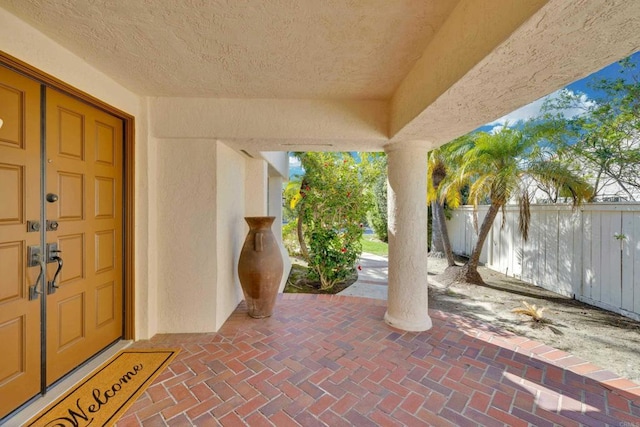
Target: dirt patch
[297,283]
[601,337]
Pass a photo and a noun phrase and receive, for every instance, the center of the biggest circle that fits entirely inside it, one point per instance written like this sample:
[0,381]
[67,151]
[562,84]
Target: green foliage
[498,167]
[291,193]
[290,239]
[332,202]
[373,174]
[377,216]
[372,167]
[443,194]
[603,139]
[443,169]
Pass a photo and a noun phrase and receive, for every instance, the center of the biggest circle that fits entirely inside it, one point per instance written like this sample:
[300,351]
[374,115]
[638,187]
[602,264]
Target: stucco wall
[256,182]
[273,124]
[278,161]
[146,239]
[186,233]
[202,191]
[231,229]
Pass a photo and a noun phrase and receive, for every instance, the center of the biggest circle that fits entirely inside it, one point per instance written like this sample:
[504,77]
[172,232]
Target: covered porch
[217,93]
[215,96]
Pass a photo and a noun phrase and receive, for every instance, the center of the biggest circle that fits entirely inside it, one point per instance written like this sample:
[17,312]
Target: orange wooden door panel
[19,202]
[84,168]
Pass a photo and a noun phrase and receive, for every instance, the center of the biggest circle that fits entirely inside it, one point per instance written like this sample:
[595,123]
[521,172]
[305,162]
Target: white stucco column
[407,211]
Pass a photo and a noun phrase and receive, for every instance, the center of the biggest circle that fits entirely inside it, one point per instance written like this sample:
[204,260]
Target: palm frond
[557,175]
[530,310]
[436,173]
[452,197]
[524,214]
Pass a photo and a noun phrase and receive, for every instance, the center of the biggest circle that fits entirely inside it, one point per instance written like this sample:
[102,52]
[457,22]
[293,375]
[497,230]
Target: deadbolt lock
[33,226]
[52,225]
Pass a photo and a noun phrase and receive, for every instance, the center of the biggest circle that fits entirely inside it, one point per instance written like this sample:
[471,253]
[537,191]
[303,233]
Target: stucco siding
[231,229]
[186,234]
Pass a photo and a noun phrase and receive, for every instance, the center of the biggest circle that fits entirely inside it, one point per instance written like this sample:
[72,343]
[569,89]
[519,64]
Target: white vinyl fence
[591,253]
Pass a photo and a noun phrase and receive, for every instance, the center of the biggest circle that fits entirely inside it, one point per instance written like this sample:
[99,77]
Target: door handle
[33,290]
[52,286]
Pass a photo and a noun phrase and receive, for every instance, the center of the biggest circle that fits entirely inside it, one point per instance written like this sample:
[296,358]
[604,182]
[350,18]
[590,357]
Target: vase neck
[260,222]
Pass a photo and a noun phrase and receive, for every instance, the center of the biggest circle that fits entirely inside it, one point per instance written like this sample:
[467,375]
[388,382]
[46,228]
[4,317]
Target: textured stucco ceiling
[244,48]
[352,75]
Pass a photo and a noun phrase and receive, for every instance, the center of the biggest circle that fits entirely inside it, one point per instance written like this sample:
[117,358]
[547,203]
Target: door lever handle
[53,285]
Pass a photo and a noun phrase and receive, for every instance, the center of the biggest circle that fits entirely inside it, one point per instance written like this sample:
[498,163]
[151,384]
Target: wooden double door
[61,294]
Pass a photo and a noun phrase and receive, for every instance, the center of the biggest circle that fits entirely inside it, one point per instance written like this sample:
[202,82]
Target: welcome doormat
[102,397]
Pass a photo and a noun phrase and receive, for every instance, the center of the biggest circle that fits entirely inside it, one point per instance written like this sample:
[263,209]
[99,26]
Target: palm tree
[294,192]
[497,168]
[437,172]
[444,187]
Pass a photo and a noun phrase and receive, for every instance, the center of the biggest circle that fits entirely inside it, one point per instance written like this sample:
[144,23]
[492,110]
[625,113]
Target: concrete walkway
[372,278]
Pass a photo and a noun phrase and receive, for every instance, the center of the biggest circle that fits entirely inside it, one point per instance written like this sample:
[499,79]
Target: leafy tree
[443,189]
[371,167]
[331,203]
[377,216]
[497,168]
[296,205]
[290,191]
[604,138]
[292,230]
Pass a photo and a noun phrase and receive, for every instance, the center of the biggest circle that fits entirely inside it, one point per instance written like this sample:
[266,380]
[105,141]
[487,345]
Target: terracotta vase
[260,267]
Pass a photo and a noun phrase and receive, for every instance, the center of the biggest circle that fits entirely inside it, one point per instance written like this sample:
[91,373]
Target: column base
[423,325]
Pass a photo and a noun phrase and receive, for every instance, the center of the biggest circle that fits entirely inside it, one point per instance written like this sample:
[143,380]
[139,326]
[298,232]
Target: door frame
[128,176]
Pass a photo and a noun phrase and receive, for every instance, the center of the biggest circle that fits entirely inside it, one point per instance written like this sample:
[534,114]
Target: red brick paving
[325,360]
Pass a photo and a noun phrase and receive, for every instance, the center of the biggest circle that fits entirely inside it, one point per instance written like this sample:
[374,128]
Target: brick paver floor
[331,360]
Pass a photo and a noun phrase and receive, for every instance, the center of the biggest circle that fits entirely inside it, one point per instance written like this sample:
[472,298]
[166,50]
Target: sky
[587,97]
[295,168]
[532,110]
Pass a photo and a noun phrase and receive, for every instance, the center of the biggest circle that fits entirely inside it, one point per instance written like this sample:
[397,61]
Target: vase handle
[257,242]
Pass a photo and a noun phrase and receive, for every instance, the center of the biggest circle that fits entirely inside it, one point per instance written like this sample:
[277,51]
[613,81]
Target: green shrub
[290,239]
[332,202]
[377,216]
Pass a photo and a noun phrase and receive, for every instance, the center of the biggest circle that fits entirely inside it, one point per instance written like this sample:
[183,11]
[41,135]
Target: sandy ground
[601,337]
